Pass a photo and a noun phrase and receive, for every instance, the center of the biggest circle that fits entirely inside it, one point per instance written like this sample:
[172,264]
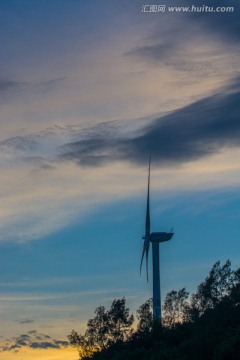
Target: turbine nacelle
[160,236]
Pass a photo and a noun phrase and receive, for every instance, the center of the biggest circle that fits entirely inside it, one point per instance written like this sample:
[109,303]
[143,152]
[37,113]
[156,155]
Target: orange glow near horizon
[40,354]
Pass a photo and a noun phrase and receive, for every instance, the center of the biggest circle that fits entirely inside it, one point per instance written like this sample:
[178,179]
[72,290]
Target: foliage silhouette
[174,307]
[205,326]
[145,317]
[105,329]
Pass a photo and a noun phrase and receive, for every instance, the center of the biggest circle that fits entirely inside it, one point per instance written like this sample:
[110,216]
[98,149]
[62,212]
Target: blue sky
[88,91]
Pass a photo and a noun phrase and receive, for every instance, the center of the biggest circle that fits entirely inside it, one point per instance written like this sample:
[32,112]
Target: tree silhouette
[214,288]
[82,344]
[205,327]
[105,329]
[145,317]
[119,321]
[174,307]
[97,331]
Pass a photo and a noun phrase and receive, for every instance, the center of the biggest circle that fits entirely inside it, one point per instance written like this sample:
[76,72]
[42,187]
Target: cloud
[198,130]
[226,24]
[192,43]
[43,345]
[52,178]
[202,128]
[11,89]
[7,85]
[26,321]
[18,143]
[33,340]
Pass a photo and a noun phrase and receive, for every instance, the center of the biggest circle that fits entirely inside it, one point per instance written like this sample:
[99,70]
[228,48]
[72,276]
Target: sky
[88,90]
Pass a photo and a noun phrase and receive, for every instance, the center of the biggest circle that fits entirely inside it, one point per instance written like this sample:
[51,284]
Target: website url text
[189,9]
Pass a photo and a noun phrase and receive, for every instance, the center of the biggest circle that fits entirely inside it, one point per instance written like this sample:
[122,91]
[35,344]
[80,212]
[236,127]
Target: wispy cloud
[33,340]
[200,129]
[194,45]
[26,321]
[225,25]
[7,85]
[60,165]
[11,89]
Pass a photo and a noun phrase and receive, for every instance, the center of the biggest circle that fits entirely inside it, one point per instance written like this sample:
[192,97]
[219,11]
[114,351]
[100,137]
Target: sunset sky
[88,89]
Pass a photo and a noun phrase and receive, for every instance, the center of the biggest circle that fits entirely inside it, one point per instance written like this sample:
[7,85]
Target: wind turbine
[155,238]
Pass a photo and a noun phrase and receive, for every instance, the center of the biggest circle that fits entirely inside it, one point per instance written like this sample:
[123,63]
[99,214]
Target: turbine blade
[147,227]
[146,244]
[145,250]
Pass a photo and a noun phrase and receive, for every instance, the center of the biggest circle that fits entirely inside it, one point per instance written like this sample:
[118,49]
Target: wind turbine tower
[154,238]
